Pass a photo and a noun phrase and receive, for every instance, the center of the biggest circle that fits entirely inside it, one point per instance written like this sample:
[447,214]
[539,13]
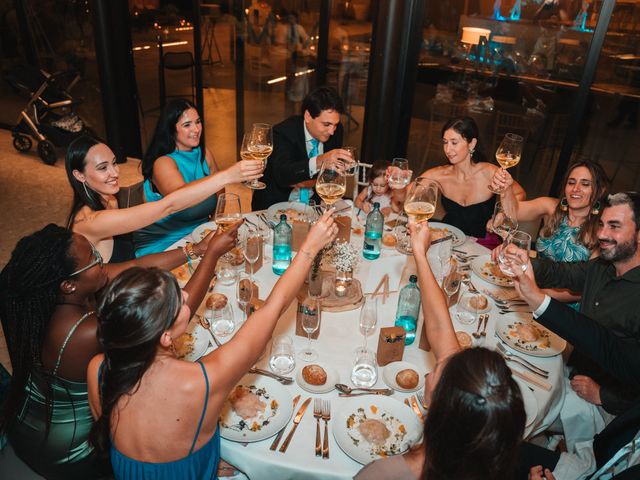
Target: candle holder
[341,288]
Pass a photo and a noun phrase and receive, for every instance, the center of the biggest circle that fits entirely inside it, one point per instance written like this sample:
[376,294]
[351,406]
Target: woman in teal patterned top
[569,225]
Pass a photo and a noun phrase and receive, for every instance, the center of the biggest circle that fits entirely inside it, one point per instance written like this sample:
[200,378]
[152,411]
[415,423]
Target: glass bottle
[373,233]
[281,246]
[409,309]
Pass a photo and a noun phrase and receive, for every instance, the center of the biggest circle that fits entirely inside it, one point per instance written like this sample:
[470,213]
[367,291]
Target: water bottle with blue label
[281,246]
[409,309]
[373,233]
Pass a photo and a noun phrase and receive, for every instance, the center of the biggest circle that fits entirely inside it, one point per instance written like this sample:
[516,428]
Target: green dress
[65,453]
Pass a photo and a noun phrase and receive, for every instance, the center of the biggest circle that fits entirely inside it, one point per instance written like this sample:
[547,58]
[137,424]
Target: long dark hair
[468,129]
[29,291]
[476,414]
[133,313]
[163,141]
[588,233]
[82,193]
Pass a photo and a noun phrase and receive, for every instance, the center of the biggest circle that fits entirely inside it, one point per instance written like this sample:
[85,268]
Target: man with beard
[610,286]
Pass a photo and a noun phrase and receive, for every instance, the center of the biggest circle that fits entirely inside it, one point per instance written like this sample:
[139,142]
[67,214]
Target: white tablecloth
[338,339]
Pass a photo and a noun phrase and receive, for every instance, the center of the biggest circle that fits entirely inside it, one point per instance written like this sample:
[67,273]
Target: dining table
[339,336]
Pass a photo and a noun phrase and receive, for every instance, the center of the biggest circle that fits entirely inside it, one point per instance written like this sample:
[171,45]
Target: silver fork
[423,404]
[317,414]
[521,361]
[326,416]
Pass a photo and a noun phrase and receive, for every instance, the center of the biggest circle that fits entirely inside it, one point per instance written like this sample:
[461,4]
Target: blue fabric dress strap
[204,410]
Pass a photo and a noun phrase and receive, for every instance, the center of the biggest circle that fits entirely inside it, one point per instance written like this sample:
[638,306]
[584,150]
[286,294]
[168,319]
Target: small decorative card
[391,345]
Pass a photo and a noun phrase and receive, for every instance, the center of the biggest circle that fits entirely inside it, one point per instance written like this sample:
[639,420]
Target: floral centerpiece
[345,258]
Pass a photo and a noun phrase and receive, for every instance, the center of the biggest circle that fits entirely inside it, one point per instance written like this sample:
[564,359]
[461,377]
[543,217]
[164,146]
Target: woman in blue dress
[173,160]
[157,415]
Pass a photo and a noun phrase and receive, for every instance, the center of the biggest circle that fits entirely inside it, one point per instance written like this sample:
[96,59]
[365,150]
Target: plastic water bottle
[409,309]
[281,246]
[373,233]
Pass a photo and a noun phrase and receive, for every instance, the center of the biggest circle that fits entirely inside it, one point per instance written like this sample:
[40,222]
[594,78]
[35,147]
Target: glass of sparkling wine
[400,175]
[421,201]
[365,369]
[251,246]
[368,319]
[521,240]
[352,165]
[330,185]
[260,146]
[227,211]
[282,359]
[509,152]
[502,223]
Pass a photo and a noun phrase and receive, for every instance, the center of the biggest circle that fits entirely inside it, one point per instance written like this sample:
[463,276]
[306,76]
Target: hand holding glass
[330,185]
[509,152]
[228,211]
[400,175]
[501,223]
[421,201]
[351,165]
[260,147]
[507,262]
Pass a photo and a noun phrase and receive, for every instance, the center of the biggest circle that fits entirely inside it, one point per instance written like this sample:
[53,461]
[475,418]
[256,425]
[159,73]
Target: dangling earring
[471,152]
[564,204]
[595,209]
[86,191]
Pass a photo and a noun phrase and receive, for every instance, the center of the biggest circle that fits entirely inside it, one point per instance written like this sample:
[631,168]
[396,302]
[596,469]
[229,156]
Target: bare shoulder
[436,173]
[487,169]
[164,163]
[94,366]
[82,216]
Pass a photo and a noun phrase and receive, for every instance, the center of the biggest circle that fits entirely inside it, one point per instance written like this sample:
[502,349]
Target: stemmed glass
[244,294]
[368,319]
[422,199]
[228,211]
[502,224]
[352,166]
[260,146]
[330,185]
[451,283]
[521,240]
[403,239]
[400,175]
[251,246]
[310,323]
[509,152]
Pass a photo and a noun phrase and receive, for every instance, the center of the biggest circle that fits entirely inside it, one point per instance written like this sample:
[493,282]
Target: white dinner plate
[330,384]
[390,371]
[393,413]
[277,413]
[203,230]
[548,345]
[530,403]
[196,341]
[464,304]
[486,270]
[458,235]
[290,208]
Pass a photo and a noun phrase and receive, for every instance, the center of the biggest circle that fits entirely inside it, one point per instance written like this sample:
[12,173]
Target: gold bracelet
[192,254]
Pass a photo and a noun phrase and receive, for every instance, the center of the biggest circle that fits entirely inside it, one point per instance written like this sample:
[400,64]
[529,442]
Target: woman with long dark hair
[47,307]
[476,415]
[155,413]
[93,174]
[174,159]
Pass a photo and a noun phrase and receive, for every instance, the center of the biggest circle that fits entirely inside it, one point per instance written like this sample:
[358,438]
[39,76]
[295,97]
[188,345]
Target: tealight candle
[341,288]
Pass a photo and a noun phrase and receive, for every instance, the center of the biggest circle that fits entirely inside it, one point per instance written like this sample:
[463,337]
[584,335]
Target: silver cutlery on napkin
[520,360]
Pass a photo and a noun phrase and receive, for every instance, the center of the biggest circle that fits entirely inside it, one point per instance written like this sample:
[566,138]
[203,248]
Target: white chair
[361,178]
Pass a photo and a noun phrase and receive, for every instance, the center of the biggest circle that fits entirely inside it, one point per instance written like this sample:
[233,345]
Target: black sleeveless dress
[471,219]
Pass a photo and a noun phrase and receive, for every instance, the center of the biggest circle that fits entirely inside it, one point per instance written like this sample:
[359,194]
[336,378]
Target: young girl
[377,191]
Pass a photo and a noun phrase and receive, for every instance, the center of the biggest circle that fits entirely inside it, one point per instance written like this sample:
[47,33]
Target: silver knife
[414,406]
[276,440]
[296,422]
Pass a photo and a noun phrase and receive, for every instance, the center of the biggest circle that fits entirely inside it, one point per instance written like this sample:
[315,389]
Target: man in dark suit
[301,145]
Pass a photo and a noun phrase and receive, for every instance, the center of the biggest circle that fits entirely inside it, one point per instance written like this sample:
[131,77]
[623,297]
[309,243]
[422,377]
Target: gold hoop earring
[595,209]
[564,204]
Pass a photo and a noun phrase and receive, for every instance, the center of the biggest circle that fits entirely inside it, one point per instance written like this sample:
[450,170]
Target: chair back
[130,196]
[361,177]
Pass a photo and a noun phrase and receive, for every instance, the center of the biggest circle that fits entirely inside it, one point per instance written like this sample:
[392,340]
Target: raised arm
[166,176]
[525,210]
[233,359]
[102,224]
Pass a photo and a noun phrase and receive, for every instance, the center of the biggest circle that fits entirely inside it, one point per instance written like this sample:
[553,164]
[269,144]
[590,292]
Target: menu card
[390,345]
[344,228]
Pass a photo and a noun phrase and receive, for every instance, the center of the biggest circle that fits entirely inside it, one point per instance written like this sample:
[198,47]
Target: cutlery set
[412,402]
[481,331]
[321,411]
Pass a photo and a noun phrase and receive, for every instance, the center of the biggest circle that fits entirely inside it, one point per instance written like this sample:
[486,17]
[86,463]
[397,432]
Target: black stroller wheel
[22,143]
[47,152]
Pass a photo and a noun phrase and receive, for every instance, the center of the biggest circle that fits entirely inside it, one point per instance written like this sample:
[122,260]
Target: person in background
[153,425]
[377,191]
[302,144]
[47,307]
[93,174]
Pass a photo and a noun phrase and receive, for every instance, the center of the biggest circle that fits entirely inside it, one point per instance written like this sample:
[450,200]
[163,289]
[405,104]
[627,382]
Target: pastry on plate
[527,332]
[389,240]
[216,301]
[407,378]
[314,375]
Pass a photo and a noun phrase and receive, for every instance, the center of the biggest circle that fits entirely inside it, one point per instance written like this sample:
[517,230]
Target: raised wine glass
[330,185]
[245,154]
[521,240]
[400,176]
[422,199]
[310,323]
[368,319]
[228,211]
[351,166]
[502,224]
[509,152]
[260,146]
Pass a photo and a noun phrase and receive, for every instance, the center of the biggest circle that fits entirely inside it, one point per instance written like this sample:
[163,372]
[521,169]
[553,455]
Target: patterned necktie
[314,148]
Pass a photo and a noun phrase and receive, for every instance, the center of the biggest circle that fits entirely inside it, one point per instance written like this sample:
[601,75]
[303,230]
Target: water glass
[351,166]
[282,359]
[467,309]
[502,223]
[226,273]
[220,320]
[365,369]
[400,175]
[521,240]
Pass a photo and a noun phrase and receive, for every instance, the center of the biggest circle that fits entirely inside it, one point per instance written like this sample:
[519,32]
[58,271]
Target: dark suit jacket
[289,162]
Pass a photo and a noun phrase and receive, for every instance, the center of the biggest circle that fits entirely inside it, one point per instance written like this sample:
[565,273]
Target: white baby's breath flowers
[344,256]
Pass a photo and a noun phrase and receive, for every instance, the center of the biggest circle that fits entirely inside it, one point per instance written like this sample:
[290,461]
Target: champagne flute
[502,224]
[400,175]
[310,320]
[260,146]
[451,283]
[228,211]
[251,247]
[521,240]
[244,294]
[330,185]
[368,319]
[421,201]
[509,152]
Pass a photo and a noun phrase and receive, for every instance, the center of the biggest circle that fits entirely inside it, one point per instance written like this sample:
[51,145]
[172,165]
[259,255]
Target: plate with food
[317,378]
[257,408]
[489,271]
[475,303]
[528,336]
[530,404]
[203,230]
[445,229]
[403,376]
[293,210]
[389,240]
[193,343]
[370,428]
[183,272]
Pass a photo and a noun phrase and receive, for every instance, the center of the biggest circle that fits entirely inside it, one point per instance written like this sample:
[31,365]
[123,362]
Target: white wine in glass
[260,146]
[330,185]
[509,152]
[228,211]
[421,201]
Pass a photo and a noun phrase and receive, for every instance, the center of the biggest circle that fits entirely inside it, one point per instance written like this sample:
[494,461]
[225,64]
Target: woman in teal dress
[174,159]
[47,307]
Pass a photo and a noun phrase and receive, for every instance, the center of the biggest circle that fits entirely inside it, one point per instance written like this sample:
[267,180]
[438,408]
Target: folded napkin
[532,379]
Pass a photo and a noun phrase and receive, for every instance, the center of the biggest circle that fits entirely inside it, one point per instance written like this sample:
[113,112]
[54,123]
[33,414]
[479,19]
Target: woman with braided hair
[47,308]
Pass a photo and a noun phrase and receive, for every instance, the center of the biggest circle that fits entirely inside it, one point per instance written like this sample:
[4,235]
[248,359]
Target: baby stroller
[48,117]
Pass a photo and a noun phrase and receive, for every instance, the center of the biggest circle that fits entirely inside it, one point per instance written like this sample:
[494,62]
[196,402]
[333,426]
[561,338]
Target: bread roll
[216,301]
[314,375]
[464,339]
[407,378]
[478,302]
[389,240]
